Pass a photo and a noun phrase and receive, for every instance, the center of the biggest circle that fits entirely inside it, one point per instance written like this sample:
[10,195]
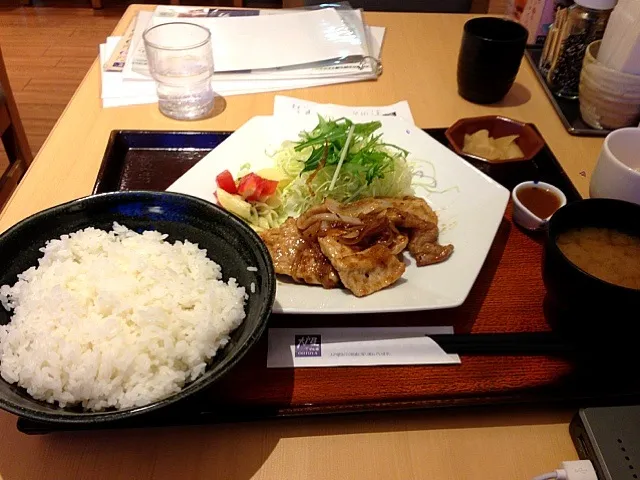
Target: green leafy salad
[338,159]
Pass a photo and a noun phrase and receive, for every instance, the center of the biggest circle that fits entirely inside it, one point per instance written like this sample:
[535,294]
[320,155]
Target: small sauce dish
[534,203]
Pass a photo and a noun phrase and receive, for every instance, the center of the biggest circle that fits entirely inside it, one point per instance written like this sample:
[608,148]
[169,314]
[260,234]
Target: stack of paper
[254,51]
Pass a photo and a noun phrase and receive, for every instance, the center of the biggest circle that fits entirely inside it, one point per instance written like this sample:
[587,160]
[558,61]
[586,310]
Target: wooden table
[420,54]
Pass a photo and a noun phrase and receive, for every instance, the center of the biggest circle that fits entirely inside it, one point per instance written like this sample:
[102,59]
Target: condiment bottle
[584,23]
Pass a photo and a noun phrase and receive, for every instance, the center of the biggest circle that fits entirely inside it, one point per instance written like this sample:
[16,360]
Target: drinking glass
[489,59]
[180,60]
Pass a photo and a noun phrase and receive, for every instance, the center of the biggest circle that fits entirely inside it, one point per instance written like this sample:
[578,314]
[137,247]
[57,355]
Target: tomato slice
[249,187]
[268,188]
[252,187]
[225,181]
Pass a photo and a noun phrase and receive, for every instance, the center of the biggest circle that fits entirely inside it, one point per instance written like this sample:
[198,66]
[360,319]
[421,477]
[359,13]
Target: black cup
[490,56]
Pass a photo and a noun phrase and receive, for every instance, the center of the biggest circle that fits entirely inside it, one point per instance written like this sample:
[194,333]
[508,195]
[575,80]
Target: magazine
[117,60]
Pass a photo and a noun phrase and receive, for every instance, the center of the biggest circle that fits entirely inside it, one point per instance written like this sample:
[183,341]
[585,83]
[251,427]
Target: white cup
[525,217]
[617,172]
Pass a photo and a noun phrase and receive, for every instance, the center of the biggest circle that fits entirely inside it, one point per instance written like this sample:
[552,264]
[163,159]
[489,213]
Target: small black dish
[229,242]
[595,305]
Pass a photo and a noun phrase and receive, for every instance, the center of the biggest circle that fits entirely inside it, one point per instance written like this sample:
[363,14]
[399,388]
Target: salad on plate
[337,208]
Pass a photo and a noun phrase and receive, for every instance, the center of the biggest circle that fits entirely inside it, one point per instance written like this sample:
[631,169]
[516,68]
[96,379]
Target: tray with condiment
[510,355]
[567,110]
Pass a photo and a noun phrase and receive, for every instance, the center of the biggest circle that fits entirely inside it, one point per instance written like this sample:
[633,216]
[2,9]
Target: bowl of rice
[121,303]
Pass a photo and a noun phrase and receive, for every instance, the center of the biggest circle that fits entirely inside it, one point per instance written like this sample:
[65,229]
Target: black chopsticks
[520,343]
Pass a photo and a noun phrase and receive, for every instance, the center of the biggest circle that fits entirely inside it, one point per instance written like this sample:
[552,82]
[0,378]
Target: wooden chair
[14,139]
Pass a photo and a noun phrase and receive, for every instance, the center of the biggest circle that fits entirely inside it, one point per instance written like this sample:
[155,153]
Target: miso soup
[606,253]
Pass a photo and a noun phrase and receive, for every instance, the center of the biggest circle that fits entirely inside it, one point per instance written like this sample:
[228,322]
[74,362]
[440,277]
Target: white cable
[546,476]
[574,470]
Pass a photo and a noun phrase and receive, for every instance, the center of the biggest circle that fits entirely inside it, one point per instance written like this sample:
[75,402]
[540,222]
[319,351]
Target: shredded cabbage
[370,168]
[366,167]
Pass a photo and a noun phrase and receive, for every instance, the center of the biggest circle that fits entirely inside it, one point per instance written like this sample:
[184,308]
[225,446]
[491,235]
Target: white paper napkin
[338,347]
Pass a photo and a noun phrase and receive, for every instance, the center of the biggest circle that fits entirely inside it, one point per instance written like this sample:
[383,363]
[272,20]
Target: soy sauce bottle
[585,22]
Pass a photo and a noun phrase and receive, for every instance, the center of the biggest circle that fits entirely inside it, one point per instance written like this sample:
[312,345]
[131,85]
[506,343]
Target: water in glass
[180,60]
[184,88]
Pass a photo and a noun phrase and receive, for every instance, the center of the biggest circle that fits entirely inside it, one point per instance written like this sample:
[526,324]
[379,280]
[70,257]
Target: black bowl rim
[496,21]
[190,389]
[551,237]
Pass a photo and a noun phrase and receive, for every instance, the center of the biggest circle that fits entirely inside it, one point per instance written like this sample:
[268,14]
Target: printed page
[289,106]
[135,66]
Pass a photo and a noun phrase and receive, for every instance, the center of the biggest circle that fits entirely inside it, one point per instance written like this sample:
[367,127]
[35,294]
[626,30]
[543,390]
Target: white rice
[115,319]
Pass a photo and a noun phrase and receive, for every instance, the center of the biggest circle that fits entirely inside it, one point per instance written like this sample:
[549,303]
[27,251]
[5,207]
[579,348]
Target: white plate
[469,209]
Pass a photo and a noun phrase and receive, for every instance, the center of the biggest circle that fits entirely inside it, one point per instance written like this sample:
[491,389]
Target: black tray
[153,160]
[568,110]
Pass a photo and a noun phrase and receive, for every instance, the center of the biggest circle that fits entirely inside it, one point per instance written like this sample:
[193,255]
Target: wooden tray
[509,353]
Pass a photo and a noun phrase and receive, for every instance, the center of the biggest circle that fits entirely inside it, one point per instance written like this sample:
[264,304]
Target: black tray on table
[153,160]
[567,110]
[489,337]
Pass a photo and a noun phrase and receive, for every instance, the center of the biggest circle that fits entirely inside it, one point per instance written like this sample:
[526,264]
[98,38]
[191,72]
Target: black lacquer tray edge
[256,414]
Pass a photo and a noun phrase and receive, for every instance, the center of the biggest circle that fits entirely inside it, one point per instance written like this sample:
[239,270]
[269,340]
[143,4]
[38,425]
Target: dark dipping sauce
[540,201]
